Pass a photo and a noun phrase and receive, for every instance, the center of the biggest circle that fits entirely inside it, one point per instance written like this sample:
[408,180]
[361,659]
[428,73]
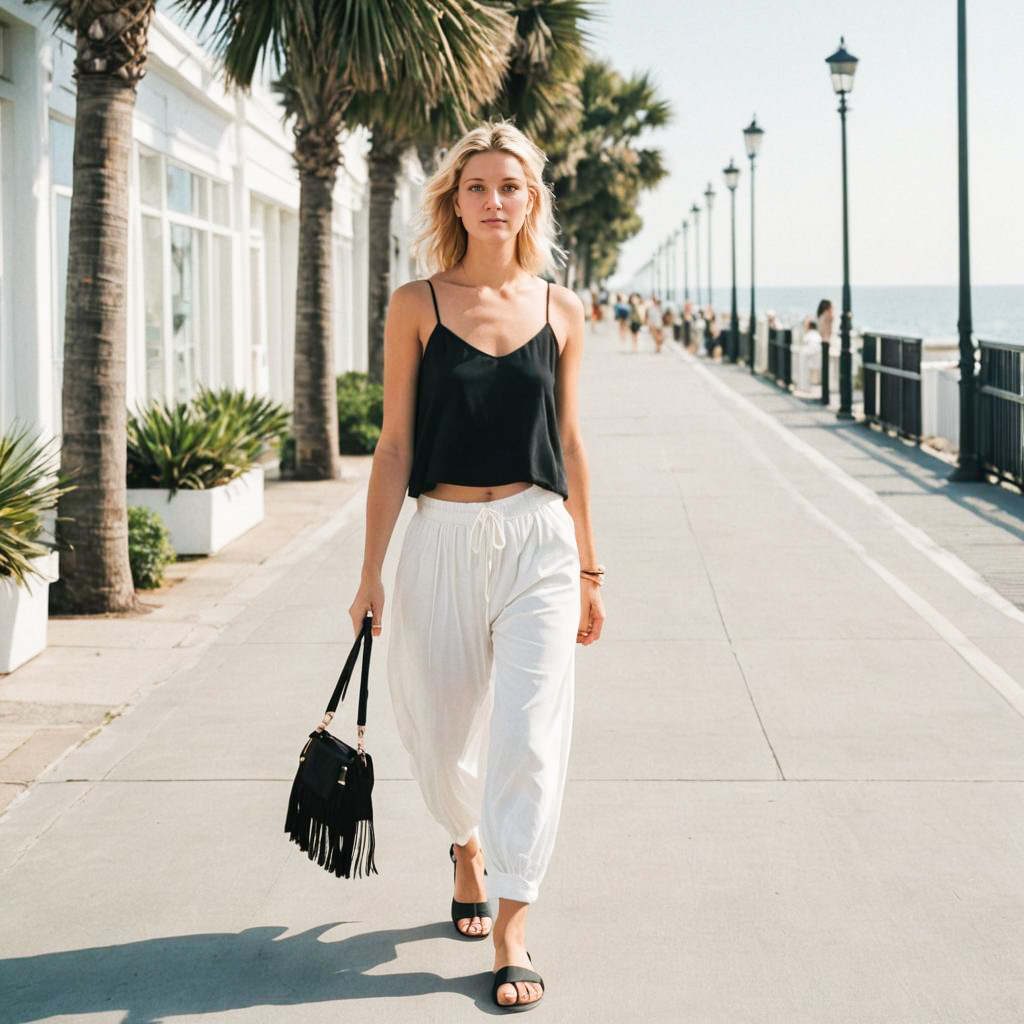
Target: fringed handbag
[330,814]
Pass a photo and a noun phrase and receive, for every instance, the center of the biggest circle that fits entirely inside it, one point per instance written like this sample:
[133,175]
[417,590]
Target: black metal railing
[892,382]
[780,355]
[1001,409]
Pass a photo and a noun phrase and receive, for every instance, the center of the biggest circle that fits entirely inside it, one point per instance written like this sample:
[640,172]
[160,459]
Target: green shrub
[149,547]
[260,419]
[360,413]
[204,443]
[29,485]
[286,453]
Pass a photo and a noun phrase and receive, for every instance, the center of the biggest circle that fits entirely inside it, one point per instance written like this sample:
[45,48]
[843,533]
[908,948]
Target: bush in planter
[205,443]
[260,420]
[360,413]
[286,454]
[149,547]
[29,485]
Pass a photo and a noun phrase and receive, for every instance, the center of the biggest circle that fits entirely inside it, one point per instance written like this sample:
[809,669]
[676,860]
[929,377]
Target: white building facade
[212,249]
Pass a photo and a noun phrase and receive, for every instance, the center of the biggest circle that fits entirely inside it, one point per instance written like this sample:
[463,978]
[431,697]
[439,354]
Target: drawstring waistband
[487,517]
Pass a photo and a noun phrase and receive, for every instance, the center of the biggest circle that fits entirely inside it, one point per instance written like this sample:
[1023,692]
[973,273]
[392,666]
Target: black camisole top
[484,420]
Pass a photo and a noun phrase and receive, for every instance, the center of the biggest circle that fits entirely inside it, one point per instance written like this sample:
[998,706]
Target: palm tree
[598,199]
[92,529]
[328,54]
[540,90]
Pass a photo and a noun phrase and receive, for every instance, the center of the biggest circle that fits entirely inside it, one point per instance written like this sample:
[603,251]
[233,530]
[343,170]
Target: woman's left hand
[591,612]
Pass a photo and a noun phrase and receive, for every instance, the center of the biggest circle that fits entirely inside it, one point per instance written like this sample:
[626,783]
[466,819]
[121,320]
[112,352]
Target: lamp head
[842,65]
[752,137]
[732,175]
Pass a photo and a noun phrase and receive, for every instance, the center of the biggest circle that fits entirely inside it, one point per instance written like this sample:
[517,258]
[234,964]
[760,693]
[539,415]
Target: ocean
[926,311]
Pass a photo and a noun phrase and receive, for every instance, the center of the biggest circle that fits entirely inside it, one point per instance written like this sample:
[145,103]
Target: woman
[622,315]
[637,316]
[497,579]
[654,317]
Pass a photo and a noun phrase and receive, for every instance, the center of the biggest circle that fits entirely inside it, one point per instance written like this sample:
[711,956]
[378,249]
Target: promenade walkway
[796,790]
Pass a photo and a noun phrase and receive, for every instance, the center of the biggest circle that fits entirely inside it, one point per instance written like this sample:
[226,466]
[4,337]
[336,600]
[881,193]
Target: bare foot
[512,952]
[469,887]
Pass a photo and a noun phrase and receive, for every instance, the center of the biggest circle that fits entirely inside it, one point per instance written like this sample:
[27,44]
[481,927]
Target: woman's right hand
[369,598]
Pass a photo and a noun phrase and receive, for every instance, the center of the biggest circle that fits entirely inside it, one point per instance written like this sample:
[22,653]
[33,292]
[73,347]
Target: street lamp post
[968,463]
[672,265]
[732,178]
[752,135]
[842,66]
[686,262]
[709,196]
[695,210]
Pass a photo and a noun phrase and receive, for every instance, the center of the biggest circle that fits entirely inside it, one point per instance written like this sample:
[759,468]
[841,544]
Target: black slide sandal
[508,975]
[462,910]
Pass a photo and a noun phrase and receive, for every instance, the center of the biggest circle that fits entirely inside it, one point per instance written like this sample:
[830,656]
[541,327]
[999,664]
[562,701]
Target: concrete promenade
[796,789]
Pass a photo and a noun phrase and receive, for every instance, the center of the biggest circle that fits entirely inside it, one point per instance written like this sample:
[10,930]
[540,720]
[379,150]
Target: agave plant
[203,443]
[260,419]
[29,485]
[179,448]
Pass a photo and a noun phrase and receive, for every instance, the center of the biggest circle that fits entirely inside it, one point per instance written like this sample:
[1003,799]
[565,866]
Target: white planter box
[24,611]
[202,522]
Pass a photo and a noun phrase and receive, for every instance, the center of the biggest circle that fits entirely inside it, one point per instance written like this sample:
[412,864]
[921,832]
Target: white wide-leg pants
[481,667]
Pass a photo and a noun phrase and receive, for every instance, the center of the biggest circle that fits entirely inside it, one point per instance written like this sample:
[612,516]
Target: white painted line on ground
[998,678]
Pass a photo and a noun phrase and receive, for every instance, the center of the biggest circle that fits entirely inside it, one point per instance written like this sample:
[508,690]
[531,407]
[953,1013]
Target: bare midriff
[458,492]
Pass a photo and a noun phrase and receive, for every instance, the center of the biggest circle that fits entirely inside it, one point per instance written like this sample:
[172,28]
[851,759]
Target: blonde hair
[442,240]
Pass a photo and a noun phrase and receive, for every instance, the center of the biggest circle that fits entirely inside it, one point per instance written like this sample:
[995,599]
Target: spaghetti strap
[437,312]
[547,307]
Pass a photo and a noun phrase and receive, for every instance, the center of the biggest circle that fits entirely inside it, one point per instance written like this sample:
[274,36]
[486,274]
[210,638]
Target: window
[62,137]
[258,363]
[4,58]
[187,278]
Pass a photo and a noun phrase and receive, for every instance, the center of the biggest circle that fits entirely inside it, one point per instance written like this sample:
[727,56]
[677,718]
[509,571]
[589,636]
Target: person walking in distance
[497,579]
[654,324]
[636,318]
[622,316]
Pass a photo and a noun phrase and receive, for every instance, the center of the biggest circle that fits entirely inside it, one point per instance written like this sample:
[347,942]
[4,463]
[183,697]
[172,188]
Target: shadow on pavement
[160,979]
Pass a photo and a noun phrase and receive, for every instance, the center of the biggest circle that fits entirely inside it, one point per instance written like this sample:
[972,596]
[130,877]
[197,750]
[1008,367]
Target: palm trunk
[315,414]
[95,575]
[426,151]
[385,155]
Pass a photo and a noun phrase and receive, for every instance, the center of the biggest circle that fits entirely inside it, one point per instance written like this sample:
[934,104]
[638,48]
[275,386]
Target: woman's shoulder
[412,294]
[565,298]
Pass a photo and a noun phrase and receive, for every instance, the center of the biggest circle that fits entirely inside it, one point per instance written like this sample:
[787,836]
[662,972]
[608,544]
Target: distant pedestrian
[824,319]
[670,317]
[654,324]
[688,332]
[710,330]
[636,318]
[810,352]
[622,315]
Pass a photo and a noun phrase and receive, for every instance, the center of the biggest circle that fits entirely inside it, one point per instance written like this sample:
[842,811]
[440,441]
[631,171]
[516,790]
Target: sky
[720,62]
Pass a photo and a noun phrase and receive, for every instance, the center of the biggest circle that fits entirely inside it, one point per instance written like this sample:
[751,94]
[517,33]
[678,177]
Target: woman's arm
[392,457]
[569,323]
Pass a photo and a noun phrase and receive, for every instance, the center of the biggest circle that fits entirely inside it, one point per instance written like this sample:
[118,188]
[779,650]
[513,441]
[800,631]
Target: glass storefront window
[186,192]
[62,146]
[153,301]
[149,179]
[221,206]
[188,278]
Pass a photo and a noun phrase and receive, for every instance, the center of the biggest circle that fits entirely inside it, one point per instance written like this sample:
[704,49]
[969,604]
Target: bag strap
[364,639]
